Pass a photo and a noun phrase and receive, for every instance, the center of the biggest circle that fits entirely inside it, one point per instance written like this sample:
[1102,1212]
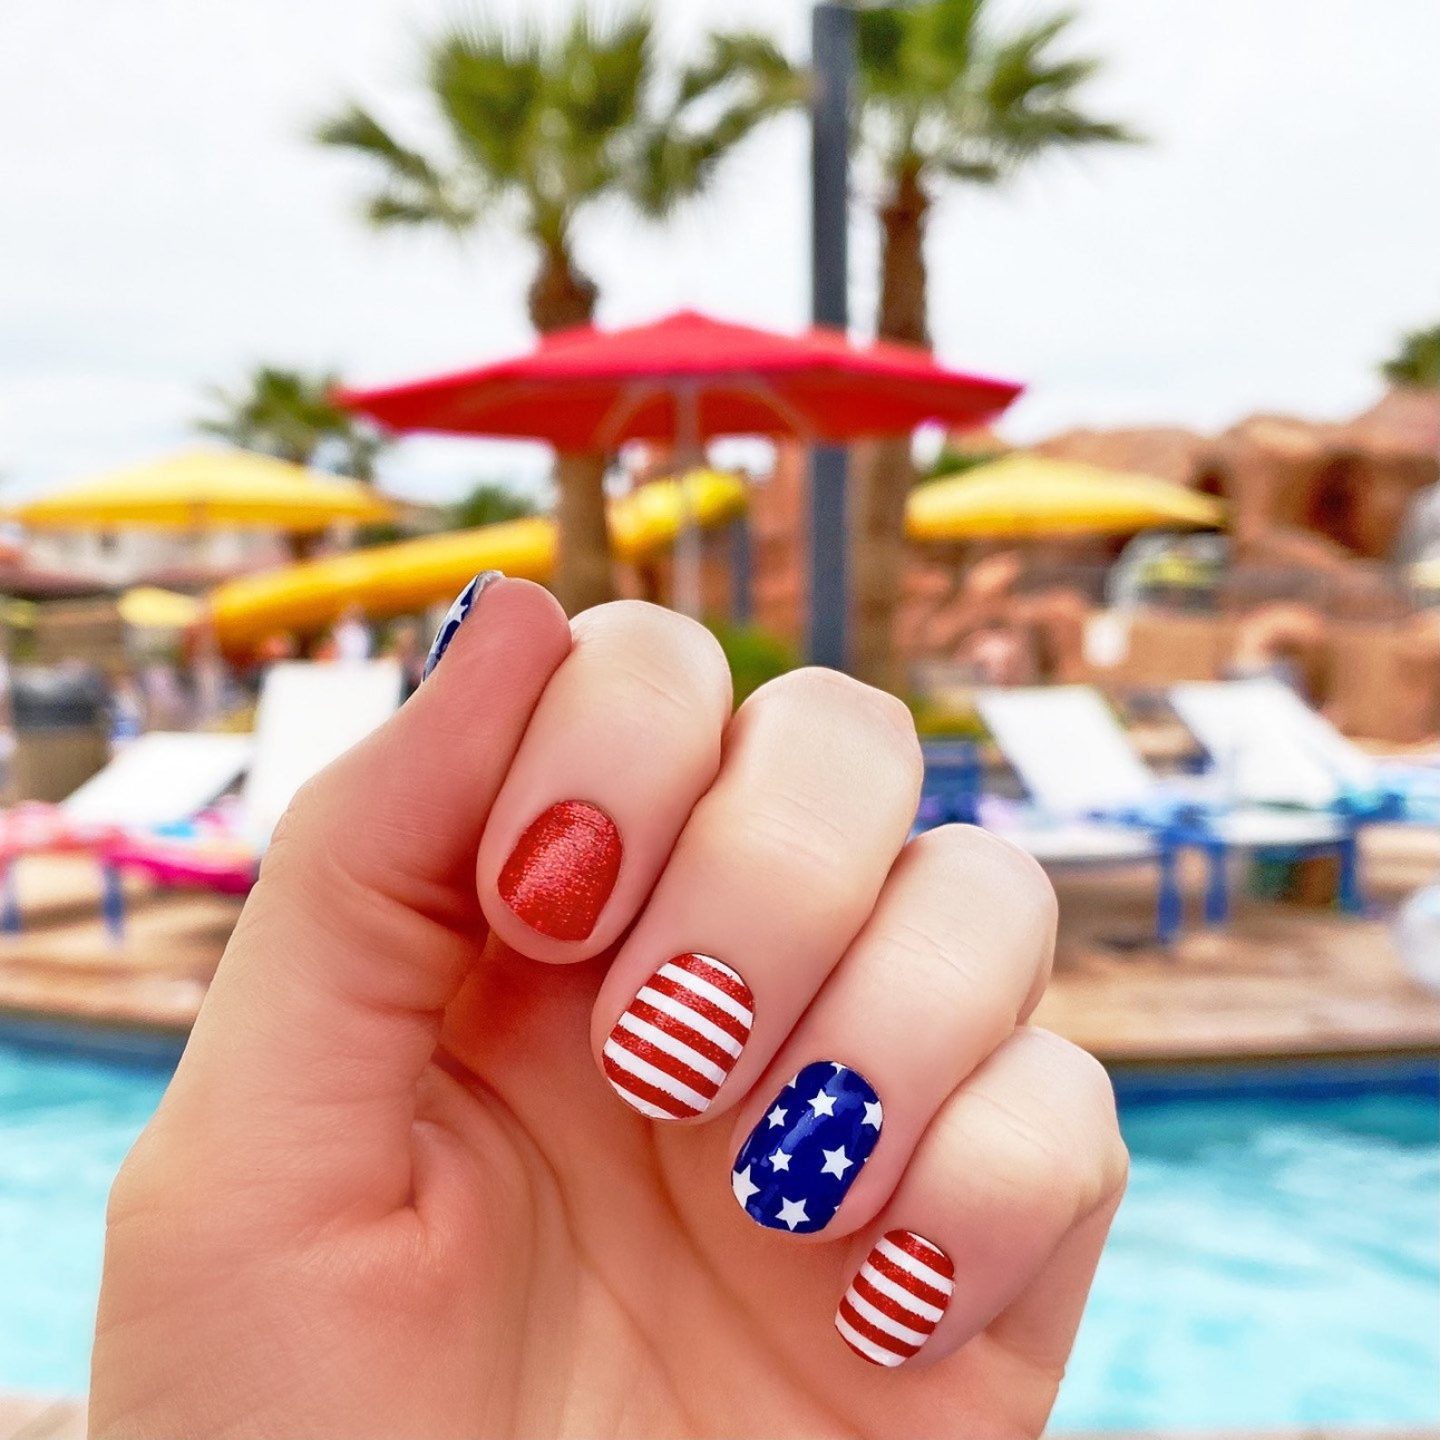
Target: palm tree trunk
[562,296]
[884,469]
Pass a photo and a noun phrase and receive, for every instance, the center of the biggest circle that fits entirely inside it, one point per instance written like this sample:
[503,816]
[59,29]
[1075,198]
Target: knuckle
[671,658]
[949,972]
[793,836]
[1095,1163]
[887,718]
[992,862]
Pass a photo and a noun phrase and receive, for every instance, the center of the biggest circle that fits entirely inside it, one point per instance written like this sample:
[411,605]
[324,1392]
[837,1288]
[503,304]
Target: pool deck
[1278,981]
[30,1417]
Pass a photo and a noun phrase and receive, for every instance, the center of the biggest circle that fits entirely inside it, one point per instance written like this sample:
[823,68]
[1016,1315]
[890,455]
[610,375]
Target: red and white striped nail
[898,1298]
[679,1038]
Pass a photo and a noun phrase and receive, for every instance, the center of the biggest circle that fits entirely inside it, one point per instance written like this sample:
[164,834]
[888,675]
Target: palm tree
[947,98]
[543,127]
[289,414]
[1417,361]
[488,503]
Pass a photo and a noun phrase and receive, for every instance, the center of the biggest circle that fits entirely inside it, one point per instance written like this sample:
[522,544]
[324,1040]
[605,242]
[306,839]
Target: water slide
[411,576]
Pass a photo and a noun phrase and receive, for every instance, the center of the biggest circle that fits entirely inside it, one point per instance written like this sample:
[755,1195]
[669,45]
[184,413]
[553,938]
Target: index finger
[327,1004]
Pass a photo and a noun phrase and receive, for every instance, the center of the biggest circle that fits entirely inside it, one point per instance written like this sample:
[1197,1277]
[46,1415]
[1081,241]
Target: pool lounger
[310,713]
[1091,790]
[1272,748]
[164,778]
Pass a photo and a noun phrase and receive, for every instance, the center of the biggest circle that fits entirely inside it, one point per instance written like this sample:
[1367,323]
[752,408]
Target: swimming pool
[1276,1261]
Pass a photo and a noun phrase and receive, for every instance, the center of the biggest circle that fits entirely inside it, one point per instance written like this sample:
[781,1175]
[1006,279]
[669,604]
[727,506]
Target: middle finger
[774,873]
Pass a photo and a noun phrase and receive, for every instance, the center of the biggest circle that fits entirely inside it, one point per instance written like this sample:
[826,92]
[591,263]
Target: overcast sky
[166,224]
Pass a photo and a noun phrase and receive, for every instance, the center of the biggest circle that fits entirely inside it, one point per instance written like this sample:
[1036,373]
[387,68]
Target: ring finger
[956,952]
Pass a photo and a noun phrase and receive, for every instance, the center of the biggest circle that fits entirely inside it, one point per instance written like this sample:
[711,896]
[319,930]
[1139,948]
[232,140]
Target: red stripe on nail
[699,1043]
[923,1251]
[672,1065]
[891,1271]
[722,1019]
[624,1081]
[873,1333]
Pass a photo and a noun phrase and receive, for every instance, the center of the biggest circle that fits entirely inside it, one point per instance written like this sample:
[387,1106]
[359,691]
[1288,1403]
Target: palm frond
[599,84]
[943,90]
[412,189]
[743,80]
[490,84]
[355,128]
[290,414]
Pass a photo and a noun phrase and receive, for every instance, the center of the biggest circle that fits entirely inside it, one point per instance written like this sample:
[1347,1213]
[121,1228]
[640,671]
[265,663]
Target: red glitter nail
[561,873]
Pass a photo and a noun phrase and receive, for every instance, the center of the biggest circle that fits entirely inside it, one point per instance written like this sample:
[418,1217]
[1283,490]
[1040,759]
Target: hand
[390,1191]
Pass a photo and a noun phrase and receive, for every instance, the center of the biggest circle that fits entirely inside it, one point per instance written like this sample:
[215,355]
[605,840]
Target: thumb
[327,1005]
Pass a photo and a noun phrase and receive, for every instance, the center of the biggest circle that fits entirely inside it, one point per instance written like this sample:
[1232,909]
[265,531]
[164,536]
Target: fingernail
[455,617]
[560,875]
[679,1038]
[896,1299]
[802,1158]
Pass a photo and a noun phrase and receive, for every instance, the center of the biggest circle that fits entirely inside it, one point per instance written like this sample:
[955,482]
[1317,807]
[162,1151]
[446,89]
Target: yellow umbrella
[400,579]
[147,607]
[208,489]
[1034,495]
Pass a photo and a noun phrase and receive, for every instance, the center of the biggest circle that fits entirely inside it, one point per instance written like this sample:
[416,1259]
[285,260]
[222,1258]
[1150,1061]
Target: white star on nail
[837,1067]
[822,1104]
[776,1116]
[743,1186]
[779,1161]
[837,1162]
[873,1114]
[791,1213]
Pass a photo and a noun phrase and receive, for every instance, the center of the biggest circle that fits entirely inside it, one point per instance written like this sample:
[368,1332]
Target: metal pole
[690,453]
[833,67]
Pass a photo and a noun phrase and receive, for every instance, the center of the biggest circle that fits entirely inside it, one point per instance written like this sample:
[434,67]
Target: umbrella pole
[833,62]
[688,598]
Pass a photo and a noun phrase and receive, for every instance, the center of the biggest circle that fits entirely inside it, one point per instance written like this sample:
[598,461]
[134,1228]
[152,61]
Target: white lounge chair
[164,778]
[309,714]
[1093,793]
[1269,747]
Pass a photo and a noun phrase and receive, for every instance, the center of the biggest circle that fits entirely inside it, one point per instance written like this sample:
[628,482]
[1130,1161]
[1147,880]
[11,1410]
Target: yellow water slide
[401,579]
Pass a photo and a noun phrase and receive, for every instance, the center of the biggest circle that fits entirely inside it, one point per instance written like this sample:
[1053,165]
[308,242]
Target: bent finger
[327,1003]
[775,871]
[947,963]
[1009,1195]
[624,741]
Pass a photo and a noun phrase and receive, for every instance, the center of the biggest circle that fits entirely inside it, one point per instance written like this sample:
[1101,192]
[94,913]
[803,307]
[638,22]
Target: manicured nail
[678,1039]
[455,617]
[803,1156]
[560,875]
[897,1299]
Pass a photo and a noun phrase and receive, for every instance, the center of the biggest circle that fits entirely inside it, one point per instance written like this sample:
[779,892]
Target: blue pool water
[1277,1260]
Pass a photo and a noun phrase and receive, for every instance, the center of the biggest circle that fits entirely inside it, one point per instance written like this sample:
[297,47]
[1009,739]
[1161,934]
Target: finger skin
[625,739]
[775,871]
[327,1003]
[957,945]
[1015,1183]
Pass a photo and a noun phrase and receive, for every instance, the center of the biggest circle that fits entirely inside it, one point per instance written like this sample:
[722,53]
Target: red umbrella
[686,378]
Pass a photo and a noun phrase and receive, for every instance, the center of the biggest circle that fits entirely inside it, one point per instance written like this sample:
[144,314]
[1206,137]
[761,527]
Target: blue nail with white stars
[802,1158]
[455,617]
